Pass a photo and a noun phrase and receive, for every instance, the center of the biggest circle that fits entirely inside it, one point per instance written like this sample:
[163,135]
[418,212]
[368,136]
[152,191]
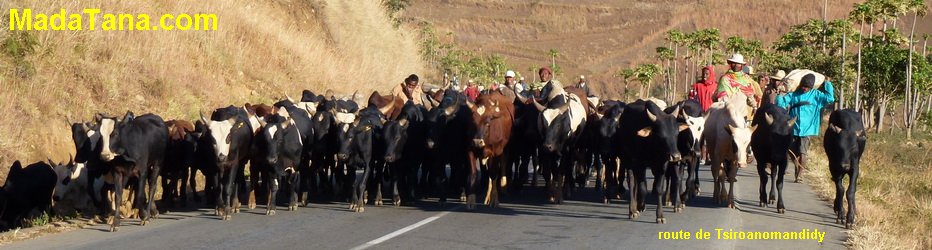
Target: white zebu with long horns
[727,136]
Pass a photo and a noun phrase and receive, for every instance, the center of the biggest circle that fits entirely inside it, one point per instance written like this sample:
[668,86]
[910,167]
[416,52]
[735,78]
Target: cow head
[68,175]
[696,125]
[664,130]
[110,130]
[608,125]
[273,137]
[220,132]
[779,128]
[86,139]
[488,123]
[741,138]
[324,121]
[396,135]
[439,117]
[848,143]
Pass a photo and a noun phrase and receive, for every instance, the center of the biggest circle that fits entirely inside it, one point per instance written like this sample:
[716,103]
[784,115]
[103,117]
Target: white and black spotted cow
[561,124]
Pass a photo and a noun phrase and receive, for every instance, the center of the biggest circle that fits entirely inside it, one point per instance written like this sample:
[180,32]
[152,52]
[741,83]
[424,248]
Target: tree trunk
[910,102]
[857,82]
[676,50]
[844,39]
[881,113]
[824,23]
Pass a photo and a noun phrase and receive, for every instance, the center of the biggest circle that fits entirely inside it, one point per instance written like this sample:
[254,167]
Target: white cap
[509,73]
[522,78]
[582,77]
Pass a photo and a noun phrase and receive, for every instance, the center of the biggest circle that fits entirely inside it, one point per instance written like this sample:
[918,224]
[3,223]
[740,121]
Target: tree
[645,73]
[709,39]
[665,55]
[553,57]
[676,39]
[863,13]
[883,79]
[626,74]
[918,8]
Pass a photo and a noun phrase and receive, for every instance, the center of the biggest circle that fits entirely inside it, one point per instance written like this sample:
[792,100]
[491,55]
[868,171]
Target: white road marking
[402,231]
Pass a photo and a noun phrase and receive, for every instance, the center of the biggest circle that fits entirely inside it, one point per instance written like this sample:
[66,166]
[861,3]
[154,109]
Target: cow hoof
[762,204]
[378,203]
[462,197]
[270,212]
[605,201]
[251,206]
[229,217]
[661,220]
[781,210]
[668,204]
[114,229]
[732,206]
[849,225]
[360,209]
[772,201]
[293,208]
[143,222]
[396,203]
[678,210]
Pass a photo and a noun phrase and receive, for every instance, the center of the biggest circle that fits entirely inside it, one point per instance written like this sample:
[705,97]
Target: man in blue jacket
[806,105]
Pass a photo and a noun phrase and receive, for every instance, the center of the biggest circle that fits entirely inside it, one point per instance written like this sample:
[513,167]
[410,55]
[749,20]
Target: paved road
[523,222]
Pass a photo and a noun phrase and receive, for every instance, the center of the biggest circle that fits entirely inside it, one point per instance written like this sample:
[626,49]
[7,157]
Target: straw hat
[779,75]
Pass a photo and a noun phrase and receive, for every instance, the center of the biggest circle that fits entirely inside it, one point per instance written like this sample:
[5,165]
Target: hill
[597,37]
[261,51]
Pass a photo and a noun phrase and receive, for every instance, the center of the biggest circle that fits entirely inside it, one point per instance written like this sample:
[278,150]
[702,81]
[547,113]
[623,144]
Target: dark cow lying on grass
[26,194]
[844,143]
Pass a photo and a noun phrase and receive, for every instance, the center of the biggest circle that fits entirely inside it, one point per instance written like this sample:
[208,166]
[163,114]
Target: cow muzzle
[221,158]
[390,158]
[342,156]
[846,166]
[56,198]
[478,143]
[550,147]
[430,144]
[107,156]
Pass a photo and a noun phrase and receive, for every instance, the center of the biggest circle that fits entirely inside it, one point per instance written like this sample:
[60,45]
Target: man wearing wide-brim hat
[735,81]
[774,87]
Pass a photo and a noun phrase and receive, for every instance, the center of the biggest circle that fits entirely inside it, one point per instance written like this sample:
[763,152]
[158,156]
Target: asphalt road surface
[525,222]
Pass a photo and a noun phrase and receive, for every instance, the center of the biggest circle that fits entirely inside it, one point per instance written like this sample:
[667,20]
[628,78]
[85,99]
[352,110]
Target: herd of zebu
[323,145]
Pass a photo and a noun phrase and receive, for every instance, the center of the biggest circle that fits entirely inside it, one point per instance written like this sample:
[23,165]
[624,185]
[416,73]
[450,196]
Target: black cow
[281,147]
[180,154]
[687,142]
[844,143]
[405,139]
[770,143]
[609,148]
[27,193]
[205,161]
[524,155]
[648,137]
[134,146]
[357,148]
[561,123]
[447,144]
[306,125]
[231,134]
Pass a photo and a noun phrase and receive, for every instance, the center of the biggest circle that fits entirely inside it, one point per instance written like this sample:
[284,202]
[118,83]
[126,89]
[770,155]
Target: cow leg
[773,182]
[471,182]
[762,190]
[676,187]
[397,177]
[148,201]
[254,175]
[295,185]
[852,188]
[780,171]
[839,195]
[168,193]
[192,180]
[732,175]
[610,184]
[183,179]
[229,193]
[361,188]
[633,213]
[641,177]
[117,200]
[271,182]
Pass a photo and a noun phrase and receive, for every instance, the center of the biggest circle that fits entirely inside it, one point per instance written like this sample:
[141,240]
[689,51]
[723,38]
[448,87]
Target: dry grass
[894,193]
[262,50]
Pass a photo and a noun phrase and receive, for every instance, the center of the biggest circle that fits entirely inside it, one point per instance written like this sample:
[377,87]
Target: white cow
[727,136]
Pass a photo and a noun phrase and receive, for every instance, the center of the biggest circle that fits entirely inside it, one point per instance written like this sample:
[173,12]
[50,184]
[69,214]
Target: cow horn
[676,111]
[204,120]
[354,95]
[433,103]
[651,116]
[471,105]
[289,98]
[449,110]
[768,118]
[539,107]
[520,97]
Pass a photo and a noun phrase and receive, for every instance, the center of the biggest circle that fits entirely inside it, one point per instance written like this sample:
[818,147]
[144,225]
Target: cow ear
[860,133]
[683,126]
[645,132]
[769,118]
[403,123]
[835,128]
[792,122]
[129,116]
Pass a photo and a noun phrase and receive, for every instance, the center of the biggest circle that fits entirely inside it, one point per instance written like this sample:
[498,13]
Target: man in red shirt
[472,91]
[705,87]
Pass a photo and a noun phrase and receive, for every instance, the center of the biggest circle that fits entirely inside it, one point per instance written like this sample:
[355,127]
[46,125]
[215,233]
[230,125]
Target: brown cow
[492,118]
[387,104]
[179,159]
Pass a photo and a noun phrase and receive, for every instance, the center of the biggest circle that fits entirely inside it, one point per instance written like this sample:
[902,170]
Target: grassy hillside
[262,50]
[597,37]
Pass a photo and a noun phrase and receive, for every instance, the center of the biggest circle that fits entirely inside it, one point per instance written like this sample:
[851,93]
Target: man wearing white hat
[521,88]
[774,87]
[582,85]
[508,87]
[735,81]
